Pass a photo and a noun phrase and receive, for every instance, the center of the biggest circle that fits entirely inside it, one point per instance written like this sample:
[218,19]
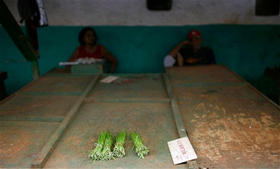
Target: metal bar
[210,84]
[174,105]
[177,116]
[129,100]
[40,160]
[21,41]
[31,118]
[31,93]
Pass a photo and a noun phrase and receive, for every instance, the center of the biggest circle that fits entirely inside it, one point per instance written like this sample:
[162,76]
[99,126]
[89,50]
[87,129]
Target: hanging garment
[28,10]
[43,15]
[32,10]
[33,14]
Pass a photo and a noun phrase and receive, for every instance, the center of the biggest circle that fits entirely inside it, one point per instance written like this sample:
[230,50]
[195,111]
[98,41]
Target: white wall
[134,12]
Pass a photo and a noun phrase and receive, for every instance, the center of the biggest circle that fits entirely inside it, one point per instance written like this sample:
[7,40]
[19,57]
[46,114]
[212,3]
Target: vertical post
[3,76]
[35,69]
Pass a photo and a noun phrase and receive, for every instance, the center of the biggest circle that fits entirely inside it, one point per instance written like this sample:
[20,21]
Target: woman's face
[89,38]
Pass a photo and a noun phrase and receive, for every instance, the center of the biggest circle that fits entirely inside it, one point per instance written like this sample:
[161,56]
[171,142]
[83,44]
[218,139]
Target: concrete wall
[134,12]
[245,49]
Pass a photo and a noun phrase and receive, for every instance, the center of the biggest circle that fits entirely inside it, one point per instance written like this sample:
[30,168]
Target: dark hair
[82,35]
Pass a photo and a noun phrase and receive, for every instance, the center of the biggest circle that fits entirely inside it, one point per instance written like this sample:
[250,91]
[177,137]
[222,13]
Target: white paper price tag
[109,79]
[181,150]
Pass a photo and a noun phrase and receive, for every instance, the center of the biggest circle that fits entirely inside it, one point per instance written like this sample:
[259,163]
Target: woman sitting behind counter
[90,49]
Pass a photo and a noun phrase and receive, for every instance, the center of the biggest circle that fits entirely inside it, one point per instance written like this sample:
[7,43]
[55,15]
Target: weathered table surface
[230,124]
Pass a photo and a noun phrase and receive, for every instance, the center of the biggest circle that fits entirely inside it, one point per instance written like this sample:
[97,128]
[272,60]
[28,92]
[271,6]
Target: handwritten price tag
[181,150]
[109,79]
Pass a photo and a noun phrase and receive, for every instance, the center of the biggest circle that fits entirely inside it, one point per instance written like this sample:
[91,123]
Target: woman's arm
[74,56]
[108,56]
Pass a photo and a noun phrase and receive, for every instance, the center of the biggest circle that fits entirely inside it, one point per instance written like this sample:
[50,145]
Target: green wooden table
[54,121]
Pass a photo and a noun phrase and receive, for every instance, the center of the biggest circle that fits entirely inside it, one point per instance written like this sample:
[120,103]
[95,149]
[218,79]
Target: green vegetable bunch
[96,153]
[103,149]
[119,150]
[107,154]
[139,147]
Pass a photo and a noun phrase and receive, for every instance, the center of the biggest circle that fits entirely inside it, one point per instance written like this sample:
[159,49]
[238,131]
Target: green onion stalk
[140,149]
[96,153]
[107,153]
[119,150]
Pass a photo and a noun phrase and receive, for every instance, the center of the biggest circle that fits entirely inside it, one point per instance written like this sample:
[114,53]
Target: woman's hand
[108,56]
[74,56]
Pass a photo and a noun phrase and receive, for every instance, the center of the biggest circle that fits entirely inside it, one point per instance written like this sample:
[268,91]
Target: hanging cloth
[33,14]
[32,10]
[43,16]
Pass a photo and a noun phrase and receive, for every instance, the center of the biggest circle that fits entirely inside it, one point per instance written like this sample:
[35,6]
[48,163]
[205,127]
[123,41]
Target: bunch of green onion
[107,153]
[96,153]
[140,149]
[102,151]
[119,150]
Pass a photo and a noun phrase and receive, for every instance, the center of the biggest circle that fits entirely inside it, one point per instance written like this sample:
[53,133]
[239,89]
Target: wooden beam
[42,157]
[21,41]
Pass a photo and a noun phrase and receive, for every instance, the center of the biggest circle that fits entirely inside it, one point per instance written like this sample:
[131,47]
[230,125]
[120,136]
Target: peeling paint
[234,127]
[135,12]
